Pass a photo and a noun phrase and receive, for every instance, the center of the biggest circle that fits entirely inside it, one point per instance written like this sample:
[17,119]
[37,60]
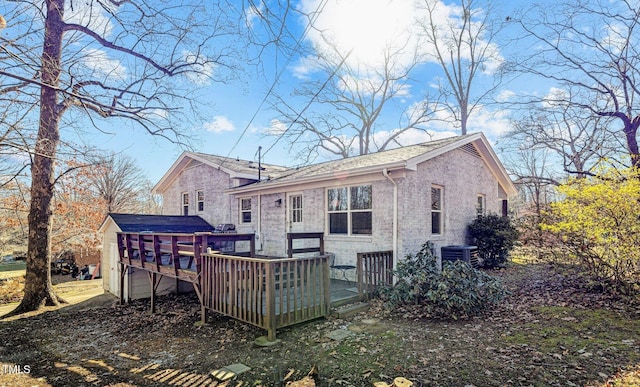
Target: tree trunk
[38,289]
[631,131]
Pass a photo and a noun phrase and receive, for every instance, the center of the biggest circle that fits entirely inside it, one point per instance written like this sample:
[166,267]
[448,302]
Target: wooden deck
[270,293]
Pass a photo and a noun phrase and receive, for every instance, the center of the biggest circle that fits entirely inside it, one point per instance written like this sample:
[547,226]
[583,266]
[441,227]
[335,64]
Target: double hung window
[185,203]
[436,210]
[200,200]
[349,210]
[245,210]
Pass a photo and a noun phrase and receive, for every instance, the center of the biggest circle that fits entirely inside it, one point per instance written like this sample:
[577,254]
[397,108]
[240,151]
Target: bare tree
[343,110]
[463,45]
[591,48]
[130,61]
[575,139]
[119,182]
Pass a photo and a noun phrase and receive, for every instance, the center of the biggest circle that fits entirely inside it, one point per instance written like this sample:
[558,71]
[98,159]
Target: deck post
[327,285]
[153,292]
[270,295]
[123,269]
[359,272]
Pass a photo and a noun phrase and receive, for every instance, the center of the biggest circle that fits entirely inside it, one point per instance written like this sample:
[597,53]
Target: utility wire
[319,9]
[334,72]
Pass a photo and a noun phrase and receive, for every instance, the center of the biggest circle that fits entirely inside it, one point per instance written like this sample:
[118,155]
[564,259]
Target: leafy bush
[458,291]
[495,236]
[598,223]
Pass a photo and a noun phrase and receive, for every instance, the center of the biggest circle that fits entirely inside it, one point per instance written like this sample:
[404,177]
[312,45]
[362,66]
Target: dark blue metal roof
[161,223]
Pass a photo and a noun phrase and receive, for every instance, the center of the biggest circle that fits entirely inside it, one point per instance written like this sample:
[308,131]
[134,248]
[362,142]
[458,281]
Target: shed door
[114,269]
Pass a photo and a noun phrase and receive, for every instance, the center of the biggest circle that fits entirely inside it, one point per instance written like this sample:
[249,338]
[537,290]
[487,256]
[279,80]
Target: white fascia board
[496,167]
[170,175]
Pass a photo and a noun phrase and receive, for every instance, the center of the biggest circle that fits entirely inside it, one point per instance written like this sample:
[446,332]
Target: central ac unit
[465,253]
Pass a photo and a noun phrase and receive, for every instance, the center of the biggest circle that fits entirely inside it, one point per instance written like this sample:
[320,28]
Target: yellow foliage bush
[598,219]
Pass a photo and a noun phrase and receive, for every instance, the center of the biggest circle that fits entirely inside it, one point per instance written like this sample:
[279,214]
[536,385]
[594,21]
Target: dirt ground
[551,331]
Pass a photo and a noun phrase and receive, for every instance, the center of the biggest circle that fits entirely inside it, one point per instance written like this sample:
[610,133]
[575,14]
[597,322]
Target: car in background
[8,258]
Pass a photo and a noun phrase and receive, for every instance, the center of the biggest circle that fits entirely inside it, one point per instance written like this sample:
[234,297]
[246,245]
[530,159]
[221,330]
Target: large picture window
[436,210]
[349,210]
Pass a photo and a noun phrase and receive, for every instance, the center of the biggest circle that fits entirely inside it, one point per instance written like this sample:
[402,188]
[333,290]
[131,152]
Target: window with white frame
[295,209]
[480,205]
[245,210]
[185,203]
[349,210]
[436,210]
[200,200]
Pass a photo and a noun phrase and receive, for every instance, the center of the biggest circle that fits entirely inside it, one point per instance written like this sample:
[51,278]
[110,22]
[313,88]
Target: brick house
[391,200]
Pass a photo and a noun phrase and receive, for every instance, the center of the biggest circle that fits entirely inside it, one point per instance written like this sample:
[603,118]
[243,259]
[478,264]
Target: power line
[319,9]
[315,95]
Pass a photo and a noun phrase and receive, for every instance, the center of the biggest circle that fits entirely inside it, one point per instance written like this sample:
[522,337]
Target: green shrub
[598,223]
[458,291]
[495,236]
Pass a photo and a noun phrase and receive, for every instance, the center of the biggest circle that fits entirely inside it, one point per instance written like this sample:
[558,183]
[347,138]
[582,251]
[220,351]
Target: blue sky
[362,27]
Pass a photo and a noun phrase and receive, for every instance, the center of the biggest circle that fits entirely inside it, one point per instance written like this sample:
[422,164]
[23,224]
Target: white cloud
[505,95]
[493,123]
[156,114]
[616,37]
[219,124]
[363,28]
[305,67]
[368,29]
[99,62]
[253,13]
[276,128]
[202,68]
[89,14]
[555,97]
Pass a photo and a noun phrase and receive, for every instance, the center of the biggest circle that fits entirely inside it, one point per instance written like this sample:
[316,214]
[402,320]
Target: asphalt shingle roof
[243,166]
[161,223]
[401,154]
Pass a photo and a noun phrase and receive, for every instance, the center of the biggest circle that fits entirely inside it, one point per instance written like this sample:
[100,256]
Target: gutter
[385,173]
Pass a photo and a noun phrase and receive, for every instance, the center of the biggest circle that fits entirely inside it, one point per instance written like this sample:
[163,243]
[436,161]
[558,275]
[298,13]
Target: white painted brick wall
[201,177]
[461,175]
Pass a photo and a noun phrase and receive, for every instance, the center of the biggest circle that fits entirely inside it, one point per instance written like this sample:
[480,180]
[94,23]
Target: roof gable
[160,223]
[235,168]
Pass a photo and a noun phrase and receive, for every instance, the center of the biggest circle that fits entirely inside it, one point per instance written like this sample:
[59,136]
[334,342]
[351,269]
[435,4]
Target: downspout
[258,237]
[385,173]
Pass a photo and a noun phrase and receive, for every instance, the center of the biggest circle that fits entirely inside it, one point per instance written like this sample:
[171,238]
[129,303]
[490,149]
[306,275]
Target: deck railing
[267,293]
[375,269]
[293,236]
[172,254]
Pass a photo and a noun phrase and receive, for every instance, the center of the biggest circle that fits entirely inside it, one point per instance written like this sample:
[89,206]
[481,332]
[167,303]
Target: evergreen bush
[495,236]
[458,291]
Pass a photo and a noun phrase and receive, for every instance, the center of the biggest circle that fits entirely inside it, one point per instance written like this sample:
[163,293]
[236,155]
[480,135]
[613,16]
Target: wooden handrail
[375,269]
[305,235]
